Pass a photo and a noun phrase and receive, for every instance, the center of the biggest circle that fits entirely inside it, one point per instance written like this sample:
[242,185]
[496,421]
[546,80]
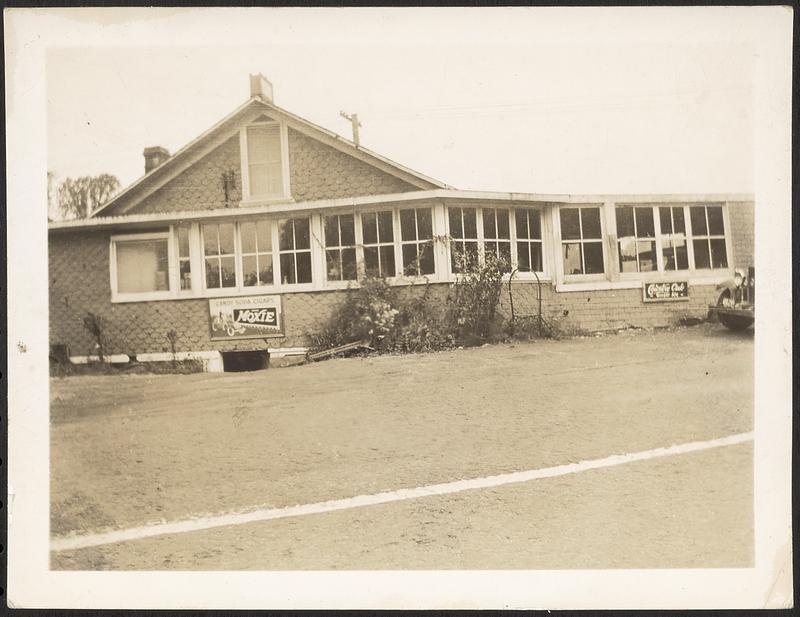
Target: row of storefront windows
[400,243]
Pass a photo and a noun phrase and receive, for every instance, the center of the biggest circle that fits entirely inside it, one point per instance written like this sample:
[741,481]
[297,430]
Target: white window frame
[241,254]
[559,243]
[361,244]
[639,275]
[247,199]
[708,236]
[400,243]
[613,278]
[542,275]
[478,239]
[314,239]
[356,245]
[117,296]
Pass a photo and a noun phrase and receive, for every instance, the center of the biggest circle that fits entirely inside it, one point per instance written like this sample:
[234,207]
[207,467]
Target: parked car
[736,304]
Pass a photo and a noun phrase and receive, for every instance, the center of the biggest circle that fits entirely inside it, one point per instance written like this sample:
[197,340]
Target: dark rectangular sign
[245,317]
[663,292]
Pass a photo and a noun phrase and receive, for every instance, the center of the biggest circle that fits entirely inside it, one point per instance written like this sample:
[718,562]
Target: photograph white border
[29,33]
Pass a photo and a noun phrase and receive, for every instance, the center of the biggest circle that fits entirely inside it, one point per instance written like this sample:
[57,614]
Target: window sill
[694,277]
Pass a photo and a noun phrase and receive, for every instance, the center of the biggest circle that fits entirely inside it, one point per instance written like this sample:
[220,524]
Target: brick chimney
[153,157]
[261,87]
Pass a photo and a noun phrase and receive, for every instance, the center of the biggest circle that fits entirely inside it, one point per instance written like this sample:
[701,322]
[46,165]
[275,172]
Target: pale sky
[531,100]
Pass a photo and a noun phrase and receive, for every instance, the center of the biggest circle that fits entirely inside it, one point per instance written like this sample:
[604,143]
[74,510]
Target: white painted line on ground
[242,518]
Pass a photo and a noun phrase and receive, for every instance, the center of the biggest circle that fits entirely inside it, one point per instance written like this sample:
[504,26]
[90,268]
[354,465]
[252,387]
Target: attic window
[264,162]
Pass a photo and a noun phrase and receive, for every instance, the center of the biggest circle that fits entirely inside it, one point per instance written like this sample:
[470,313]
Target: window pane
[226,239]
[570,224]
[348,230]
[247,233]
[521,220]
[228,272]
[668,254]
[369,227]
[590,218]
[456,226]
[286,235]
[719,258]
[645,228]
[210,240]
[264,235]
[505,252]
[627,255]
[424,224]
[679,224]
[212,274]
[263,144]
[385,227]
[331,226]
[489,222]
[185,270]
[426,258]
[457,257]
[502,224]
[302,234]
[304,267]
[274,179]
[387,261]
[470,223]
[142,266]
[647,256]
[523,257]
[665,219]
[288,274]
[681,254]
[183,241]
[408,226]
[259,179]
[572,258]
[410,259]
[333,265]
[349,269]
[593,257]
[701,257]
[535,224]
[265,269]
[697,214]
[250,271]
[536,257]
[716,226]
[371,264]
[625,222]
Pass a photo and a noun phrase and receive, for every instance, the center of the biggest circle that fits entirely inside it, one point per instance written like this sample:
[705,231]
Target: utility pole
[354,122]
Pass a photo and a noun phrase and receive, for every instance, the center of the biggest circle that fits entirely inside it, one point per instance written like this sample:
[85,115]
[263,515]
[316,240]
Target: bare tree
[78,198]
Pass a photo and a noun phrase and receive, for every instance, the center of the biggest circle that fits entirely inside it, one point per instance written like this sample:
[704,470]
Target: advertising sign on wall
[662,292]
[248,317]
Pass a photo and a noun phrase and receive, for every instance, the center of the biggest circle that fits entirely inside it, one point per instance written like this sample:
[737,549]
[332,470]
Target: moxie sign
[248,317]
[660,292]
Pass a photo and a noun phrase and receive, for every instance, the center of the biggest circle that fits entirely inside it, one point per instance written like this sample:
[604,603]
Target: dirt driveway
[132,450]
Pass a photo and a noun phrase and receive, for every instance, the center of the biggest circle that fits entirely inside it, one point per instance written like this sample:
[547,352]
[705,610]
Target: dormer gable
[263,154]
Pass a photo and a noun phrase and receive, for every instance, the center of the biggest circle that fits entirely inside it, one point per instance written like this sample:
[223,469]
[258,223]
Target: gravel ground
[128,450]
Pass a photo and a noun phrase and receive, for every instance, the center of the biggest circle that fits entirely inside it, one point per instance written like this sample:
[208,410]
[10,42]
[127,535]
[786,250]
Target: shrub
[367,314]
[374,312]
[96,326]
[473,298]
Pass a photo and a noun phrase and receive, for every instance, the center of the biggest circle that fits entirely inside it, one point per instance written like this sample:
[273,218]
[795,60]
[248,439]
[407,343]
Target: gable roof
[228,126]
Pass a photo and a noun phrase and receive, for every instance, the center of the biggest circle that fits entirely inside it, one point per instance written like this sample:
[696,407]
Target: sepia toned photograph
[340,300]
